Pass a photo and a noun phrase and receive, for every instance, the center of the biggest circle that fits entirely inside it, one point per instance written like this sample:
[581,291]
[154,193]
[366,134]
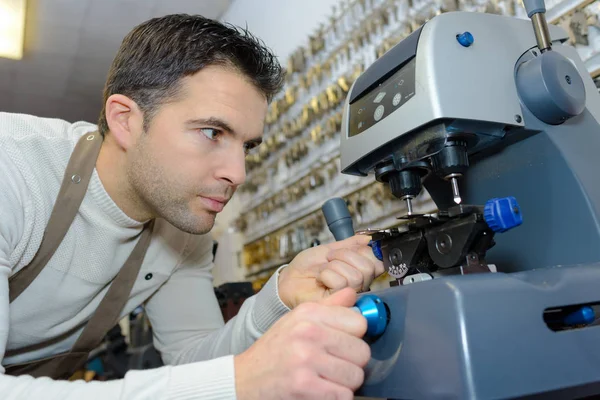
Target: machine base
[483,336]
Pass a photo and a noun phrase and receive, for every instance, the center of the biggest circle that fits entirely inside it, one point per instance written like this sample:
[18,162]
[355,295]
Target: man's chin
[195,224]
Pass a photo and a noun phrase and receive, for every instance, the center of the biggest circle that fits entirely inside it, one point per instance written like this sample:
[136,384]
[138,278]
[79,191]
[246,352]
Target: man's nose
[233,168]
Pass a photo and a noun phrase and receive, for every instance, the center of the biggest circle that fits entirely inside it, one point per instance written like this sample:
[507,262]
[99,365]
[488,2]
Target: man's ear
[125,120]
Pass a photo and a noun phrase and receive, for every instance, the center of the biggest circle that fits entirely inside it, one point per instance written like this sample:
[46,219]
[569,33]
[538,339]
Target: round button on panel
[378,112]
[397,99]
[465,39]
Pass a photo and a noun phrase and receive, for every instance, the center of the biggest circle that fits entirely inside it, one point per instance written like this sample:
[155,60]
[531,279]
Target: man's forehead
[232,103]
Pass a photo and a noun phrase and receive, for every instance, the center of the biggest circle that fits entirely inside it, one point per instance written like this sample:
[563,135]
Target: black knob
[405,183]
[452,159]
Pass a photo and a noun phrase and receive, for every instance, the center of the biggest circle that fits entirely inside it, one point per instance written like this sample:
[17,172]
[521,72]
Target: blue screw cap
[465,39]
[376,246]
[373,309]
[502,214]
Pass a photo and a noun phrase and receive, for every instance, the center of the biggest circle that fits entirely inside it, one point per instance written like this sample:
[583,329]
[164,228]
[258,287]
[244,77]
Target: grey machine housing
[483,336]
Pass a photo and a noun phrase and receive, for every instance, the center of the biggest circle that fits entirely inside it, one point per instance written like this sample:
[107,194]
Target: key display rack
[297,168]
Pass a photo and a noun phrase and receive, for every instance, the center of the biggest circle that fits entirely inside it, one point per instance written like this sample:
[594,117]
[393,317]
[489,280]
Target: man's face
[192,158]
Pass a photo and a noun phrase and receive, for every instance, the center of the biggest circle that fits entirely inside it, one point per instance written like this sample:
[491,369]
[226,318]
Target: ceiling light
[12,28]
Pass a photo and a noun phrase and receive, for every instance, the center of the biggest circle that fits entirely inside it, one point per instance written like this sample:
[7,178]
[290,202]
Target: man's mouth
[215,204]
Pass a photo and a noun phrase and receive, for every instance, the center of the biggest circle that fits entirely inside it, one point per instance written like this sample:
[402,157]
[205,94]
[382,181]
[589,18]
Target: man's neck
[112,170]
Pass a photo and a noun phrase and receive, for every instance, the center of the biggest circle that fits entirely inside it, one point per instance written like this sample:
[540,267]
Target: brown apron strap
[52,367]
[109,308]
[104,318]
[41,345]
[72,191]
[108,311]
[76,179]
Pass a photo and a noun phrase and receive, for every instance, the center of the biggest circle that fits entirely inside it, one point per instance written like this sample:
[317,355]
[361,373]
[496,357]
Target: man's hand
[314,352]
[320,271]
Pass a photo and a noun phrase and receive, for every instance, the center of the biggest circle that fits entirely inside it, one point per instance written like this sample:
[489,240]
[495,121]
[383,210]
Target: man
[96,220]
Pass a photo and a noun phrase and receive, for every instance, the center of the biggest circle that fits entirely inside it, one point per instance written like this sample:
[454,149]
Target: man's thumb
[345,298]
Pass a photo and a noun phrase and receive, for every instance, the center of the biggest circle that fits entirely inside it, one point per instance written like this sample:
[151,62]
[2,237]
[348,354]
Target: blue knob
[502,214]
[583,316]
[373,309]
[376,246]
[465,39]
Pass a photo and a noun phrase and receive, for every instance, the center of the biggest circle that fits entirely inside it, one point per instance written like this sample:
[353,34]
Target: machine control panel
[385,99]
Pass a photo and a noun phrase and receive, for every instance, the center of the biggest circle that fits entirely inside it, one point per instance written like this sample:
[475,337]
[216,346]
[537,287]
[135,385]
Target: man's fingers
[360,244]
[332,280]
[343,298]
[364,265]
[339,320]
[368,252]
[356,240]
[353,276]
[351,348]
[340,371]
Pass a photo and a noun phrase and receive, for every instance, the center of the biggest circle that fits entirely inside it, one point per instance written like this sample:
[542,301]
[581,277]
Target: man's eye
[248,147]
[210,133]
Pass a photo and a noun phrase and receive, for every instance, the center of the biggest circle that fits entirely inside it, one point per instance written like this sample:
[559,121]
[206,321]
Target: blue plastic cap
[376,246]
[502,214]
[465,39]
[583,316]
[373,309]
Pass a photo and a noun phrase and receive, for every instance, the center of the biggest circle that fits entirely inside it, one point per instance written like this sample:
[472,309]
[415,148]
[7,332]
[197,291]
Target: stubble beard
[163,196]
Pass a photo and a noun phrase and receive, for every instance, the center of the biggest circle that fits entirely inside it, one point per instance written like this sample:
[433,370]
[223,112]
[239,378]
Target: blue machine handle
[376,313]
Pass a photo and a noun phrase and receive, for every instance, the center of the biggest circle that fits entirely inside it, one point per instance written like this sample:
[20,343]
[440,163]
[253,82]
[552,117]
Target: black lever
[338,218]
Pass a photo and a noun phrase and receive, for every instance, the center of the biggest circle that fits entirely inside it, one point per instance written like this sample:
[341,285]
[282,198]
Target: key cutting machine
[496,293]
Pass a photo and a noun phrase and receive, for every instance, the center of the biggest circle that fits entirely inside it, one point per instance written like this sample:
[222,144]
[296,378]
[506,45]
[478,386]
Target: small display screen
[385,99]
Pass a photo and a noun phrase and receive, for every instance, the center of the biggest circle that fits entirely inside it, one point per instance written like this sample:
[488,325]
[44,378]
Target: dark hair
[156,54]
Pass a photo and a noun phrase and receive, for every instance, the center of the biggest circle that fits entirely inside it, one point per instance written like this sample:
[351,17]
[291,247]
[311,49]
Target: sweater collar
[107,204]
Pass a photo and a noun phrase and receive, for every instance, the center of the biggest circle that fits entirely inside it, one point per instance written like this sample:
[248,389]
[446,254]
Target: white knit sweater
[178,295]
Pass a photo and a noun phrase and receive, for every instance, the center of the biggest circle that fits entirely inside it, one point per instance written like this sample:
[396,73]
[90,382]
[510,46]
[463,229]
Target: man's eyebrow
[212,121]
